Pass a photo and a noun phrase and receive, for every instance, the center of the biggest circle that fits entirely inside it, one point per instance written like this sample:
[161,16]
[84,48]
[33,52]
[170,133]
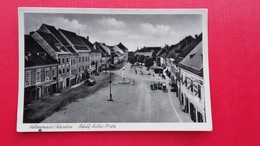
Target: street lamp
[110,81]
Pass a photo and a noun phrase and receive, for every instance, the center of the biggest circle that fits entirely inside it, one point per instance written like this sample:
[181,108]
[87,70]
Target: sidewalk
[39,110]
[185,117]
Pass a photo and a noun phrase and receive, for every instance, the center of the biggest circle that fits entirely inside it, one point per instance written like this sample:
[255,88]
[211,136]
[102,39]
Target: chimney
[196,36]
[87,38]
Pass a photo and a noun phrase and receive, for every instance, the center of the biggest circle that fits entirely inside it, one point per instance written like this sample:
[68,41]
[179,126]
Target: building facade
[40,72]
[59,52]
[192,99]
[95,58]
[83,58]
[191,89]
[124,49]
[68,64]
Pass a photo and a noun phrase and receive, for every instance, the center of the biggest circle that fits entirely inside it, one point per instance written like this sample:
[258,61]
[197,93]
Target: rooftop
[57,34]
[75,40]
[194,60]
[122,47]
[89,44]
[188,48]
[38,55]
[53,42]
[149,49]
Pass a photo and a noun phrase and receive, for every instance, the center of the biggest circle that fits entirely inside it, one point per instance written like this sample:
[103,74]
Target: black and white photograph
[113,70]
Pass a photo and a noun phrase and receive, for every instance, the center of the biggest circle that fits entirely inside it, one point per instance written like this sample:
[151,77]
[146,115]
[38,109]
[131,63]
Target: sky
[134,31]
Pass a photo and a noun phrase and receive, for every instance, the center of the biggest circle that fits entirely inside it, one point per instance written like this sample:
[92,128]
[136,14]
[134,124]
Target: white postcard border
[66,127]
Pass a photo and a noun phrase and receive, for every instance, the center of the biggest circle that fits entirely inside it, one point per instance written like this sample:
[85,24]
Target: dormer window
[192,55]
[28,57]
[58,46]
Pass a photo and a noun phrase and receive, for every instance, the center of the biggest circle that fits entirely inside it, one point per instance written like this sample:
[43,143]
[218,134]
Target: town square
[72,77]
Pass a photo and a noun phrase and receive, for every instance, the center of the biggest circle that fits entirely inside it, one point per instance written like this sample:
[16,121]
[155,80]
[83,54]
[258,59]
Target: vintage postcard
[113,70]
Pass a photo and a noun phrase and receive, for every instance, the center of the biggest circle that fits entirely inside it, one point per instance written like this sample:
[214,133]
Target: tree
[153,56]
[132,59]
[148,63]
[140,58]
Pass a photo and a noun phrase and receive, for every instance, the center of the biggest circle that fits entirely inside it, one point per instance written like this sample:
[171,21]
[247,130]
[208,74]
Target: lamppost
[110,81]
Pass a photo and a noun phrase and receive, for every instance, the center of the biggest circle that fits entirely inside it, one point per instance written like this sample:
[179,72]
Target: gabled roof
[172,51]
[106,48]
[122,47]
[187,49]
[53,42]
[57,34]
[89,44]
[161,52]
[117,49]
[193,62]
[101,49]
[75,40]
[38,55]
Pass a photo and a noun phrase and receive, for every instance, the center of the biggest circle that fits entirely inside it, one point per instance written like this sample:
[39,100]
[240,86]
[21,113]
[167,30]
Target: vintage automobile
[159,86]
[91,81]
[164,88]
[174,88]
[153,86]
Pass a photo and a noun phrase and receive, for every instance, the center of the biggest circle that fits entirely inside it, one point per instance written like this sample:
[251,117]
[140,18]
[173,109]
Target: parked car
[164,88]
[159,86]
[91,81]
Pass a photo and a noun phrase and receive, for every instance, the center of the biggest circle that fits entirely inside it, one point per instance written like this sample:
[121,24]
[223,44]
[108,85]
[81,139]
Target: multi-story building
[81,49]
[147,51]
[40,72]
[71,77]
[123,48]
[57,51]
[95,58]
[191,88]
[119,53]
[179,52]
[105,54]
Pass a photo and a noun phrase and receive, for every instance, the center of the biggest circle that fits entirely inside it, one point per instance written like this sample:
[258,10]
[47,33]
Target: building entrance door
[192,112]
[38,93]
[186,105]
[53,88]
[67,82]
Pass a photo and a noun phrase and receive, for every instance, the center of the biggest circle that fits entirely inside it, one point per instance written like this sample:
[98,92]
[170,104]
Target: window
[199,91]
[200,117]
[27,78]
[38,76]
[68,70]
[63,70]
[60,71]
[59,60]
[63,60]
[79,69]
[53,72]
[79,59]
[47,74]
[47,89]
[83,59]
[191,86]
[67,59]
